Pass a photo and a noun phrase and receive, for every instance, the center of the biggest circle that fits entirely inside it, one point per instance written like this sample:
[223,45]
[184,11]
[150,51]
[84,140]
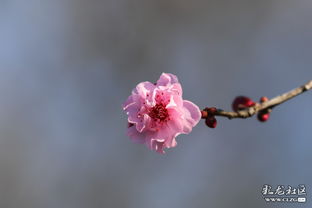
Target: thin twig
[268,105]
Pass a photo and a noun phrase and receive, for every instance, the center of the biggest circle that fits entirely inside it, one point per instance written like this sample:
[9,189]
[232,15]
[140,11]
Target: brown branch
[268,105]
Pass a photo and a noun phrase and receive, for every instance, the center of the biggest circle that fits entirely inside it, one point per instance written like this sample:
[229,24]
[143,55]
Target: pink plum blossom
[157,113]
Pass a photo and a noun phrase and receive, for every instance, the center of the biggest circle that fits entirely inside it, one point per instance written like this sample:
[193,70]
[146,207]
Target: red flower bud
[208,115]
[211,111]
[263,117]
[263,99]
[242,102]
[211,122]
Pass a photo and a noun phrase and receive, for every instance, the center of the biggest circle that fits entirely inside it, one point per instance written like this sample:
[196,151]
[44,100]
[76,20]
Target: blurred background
[66,67]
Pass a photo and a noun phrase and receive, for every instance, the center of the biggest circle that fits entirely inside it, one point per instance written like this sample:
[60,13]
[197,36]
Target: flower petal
[167,78]
[192,112]
[135,135]
[144,89]
[128,102]
[143,123]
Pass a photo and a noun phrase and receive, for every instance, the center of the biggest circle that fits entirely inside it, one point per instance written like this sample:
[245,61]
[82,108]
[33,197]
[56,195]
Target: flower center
[159,113]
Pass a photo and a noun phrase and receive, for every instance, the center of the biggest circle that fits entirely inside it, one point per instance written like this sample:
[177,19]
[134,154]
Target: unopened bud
[242,102]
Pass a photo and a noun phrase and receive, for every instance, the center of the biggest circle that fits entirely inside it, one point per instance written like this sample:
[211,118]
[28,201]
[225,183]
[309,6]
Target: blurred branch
[265,106]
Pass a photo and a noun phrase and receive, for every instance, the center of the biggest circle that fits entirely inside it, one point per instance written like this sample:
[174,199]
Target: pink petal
[176,88]
[144,89]
[179,121]
[172,103]
[176,122]
[128,102]
[192,113]
[168,134]
[176,91]
[167,78]
[143,123]
[135,135]
[132,112]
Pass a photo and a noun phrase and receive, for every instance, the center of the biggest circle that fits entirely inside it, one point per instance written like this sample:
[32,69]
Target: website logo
[283,193]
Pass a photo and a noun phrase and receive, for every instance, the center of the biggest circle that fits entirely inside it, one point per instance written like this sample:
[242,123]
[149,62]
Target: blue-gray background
[68,65]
